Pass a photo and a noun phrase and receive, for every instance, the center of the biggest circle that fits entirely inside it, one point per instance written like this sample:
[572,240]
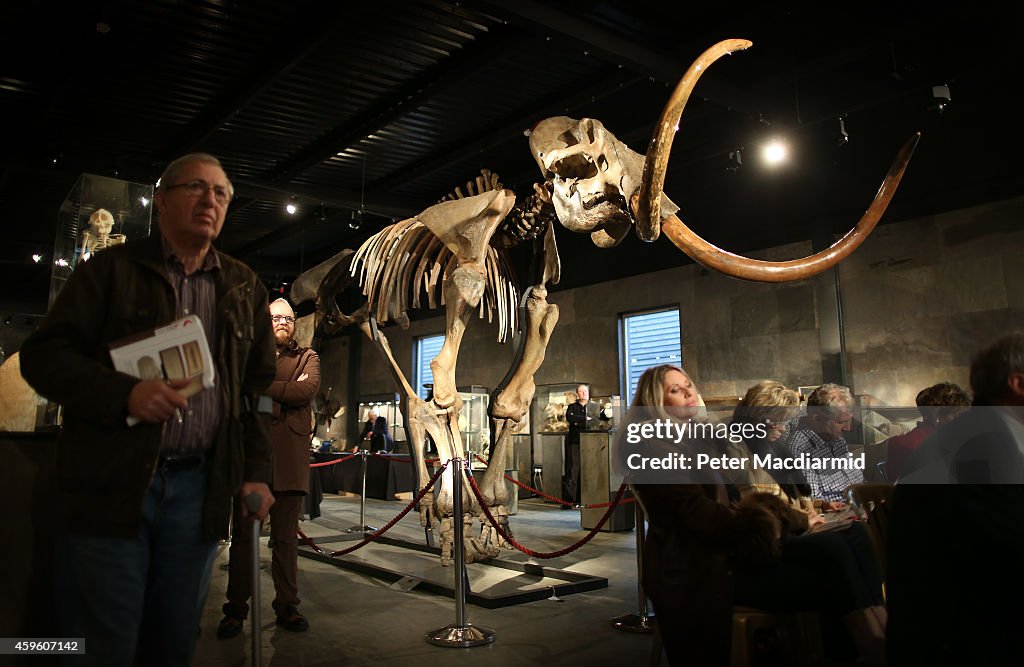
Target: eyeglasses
[288,319]
[199,188]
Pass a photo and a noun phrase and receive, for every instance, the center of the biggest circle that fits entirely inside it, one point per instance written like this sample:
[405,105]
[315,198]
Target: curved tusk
[745,268]
[648,207]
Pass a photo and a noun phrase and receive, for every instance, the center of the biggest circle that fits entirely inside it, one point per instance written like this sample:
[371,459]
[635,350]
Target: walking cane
[253,502]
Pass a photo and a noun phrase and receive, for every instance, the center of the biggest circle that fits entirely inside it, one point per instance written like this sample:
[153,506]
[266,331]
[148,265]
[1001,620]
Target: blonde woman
[770,407]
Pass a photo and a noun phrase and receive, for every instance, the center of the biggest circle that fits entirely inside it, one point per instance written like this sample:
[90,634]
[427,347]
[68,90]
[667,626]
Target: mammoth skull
[592,175]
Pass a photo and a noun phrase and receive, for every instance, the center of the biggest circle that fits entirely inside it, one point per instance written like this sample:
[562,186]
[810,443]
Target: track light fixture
[292,206]
[844,137]
[940,98]
[735,161]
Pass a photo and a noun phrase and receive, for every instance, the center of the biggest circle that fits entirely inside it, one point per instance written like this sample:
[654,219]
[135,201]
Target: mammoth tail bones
[455,255]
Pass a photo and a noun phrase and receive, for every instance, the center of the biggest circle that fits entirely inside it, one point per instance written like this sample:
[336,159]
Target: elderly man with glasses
[142,507]
[291,427]
[819,438]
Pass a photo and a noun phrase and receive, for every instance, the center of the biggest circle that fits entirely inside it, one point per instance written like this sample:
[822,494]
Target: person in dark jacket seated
[954,536]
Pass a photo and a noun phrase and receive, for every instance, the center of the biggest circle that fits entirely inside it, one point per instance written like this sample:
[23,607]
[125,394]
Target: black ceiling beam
[619,51]
[386,205]
[305,35]
[469,145]
[276,236]
[447,74]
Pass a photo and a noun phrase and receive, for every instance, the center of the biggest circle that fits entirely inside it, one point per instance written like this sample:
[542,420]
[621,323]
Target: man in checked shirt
[141,508]
[819,435]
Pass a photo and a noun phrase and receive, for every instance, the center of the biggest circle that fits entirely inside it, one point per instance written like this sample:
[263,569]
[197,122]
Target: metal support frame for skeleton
[454,253]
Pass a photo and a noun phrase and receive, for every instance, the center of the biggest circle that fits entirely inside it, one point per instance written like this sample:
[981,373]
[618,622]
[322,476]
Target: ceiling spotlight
[940,98]
[356,220]
[37,258]
[735,161]
[844,137]
[775,152]
[292,206]
[144,201]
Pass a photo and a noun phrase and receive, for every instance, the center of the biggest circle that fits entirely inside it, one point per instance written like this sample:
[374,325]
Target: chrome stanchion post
[362,527]
[461,634]
[642,621]
[253,502]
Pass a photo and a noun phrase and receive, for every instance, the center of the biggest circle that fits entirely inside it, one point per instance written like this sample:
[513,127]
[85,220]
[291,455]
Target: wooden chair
[872,502]
[764,637]
[759,636]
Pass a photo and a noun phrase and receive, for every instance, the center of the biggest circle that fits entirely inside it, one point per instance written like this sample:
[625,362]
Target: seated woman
[704,555]
[769,408]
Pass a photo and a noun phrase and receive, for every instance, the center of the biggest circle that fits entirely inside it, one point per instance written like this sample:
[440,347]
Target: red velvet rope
[380,531]
[537,554]
[333,463]
[403,459]
[559,500]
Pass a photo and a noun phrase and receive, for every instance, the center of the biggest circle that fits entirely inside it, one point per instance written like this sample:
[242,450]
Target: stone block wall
[921,297]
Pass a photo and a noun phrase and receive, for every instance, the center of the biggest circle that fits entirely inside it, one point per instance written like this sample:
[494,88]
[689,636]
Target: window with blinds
[425,350]
[647,339]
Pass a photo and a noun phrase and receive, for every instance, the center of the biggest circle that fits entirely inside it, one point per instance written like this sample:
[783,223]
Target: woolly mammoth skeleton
[454,253]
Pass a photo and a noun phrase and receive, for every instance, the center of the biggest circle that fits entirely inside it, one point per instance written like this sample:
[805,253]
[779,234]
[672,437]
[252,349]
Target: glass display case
[549,404]
[878,421]
[609,411]
[474,423]
[99,212]
[387,406]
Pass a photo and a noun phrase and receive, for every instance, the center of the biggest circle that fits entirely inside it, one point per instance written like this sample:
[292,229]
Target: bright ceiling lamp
[775,152]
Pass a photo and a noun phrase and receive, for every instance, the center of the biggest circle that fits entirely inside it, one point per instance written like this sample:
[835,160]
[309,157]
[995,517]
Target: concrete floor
[356,619]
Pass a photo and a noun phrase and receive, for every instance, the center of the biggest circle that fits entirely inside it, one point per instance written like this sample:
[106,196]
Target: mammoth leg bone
[424,418]
[511,405]
[442,425]
[465,226]
[462,295]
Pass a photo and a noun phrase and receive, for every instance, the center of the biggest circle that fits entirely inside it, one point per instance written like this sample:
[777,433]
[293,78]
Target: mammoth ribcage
[399,264]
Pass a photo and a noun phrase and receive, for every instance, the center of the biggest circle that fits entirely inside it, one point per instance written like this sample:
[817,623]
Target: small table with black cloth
[386,476]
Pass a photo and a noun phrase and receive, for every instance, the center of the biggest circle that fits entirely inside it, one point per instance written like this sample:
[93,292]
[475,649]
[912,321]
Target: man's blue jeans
[147,592]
